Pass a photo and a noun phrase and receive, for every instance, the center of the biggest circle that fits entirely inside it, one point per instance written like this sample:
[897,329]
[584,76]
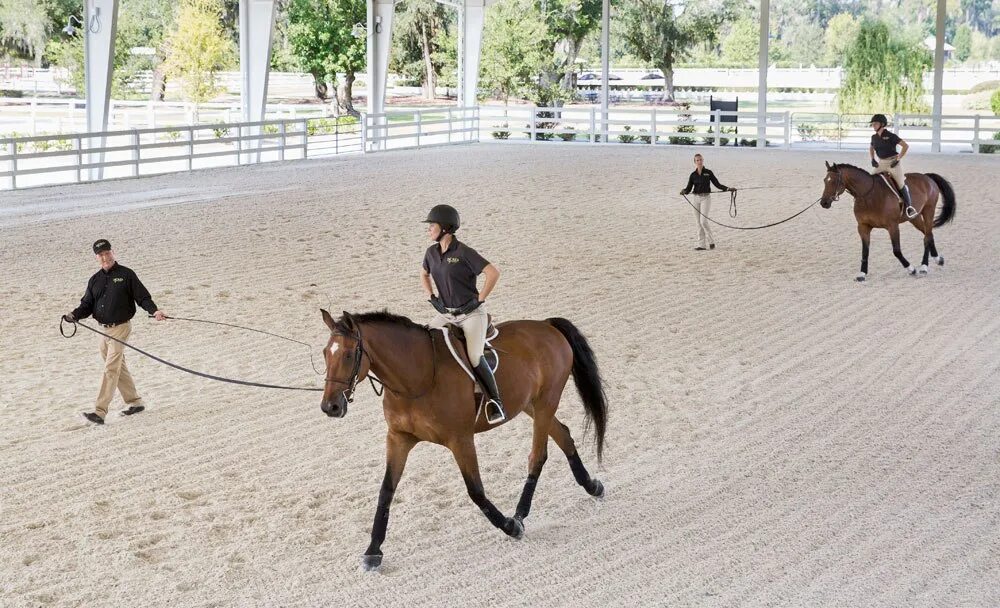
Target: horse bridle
[354,379]
[352,382]
[840,182]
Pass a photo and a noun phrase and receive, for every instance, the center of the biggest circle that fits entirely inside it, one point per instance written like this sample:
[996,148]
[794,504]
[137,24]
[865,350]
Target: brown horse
[428,397]
[876,205]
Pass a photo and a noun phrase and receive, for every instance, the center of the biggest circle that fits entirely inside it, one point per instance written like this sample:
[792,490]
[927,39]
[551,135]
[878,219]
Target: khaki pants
[896,172]
[473,324]
[116,375]
[703,202]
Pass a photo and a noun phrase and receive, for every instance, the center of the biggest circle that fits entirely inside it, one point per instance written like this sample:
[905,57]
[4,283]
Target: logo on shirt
[117,280]
[454,260]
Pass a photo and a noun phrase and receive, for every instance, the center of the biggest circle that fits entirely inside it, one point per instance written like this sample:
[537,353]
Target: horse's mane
[377,316]
[839,166]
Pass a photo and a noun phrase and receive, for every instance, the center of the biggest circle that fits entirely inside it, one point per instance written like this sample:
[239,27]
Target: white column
[762,52]
[942,14]
[100,21]
[379,30]
[475,15]
[605,65]
[256,34]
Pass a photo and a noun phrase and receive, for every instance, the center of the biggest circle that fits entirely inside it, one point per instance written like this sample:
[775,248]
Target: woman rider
[883,148]
[454,267]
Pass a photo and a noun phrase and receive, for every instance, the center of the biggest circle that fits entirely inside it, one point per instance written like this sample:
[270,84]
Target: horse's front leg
[464,450]
[397,448]
[865,231]
[897,251]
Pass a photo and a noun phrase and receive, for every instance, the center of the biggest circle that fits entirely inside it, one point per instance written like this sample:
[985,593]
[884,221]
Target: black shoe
[134,409]
[700,248]
[91,416]
[712,246]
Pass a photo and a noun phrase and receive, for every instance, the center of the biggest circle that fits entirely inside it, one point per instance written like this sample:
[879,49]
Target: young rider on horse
[455,266]
[883,146]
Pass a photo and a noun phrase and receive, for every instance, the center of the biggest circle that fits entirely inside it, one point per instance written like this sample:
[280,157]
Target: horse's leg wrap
[864,257]
[381,515]
[591,485]
[524,504]
[478,496]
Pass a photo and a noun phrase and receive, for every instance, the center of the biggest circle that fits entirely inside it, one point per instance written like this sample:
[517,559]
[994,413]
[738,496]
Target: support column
[100,22]
[256,35]
[762,57]
[471,17]
[942,15]
[605,65]
[379,40]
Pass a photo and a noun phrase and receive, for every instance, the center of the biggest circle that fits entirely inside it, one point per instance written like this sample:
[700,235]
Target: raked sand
[779,434]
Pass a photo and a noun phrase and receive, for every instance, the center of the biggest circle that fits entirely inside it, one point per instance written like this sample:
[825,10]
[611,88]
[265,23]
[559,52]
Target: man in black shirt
[111,296]
[883,148]
[700,182]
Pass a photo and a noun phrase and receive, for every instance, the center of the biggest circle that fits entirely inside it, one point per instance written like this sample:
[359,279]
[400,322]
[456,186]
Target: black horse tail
[587,378]
[948,194]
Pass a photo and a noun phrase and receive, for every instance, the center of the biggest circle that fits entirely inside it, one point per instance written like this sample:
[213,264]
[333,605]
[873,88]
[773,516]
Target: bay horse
[876,205]
[429,397]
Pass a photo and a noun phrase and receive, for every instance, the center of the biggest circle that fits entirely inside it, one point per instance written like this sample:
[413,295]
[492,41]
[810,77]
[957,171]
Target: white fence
[79,157]
[824,131]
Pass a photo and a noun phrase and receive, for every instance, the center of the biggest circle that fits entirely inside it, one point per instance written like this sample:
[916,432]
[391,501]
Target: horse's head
[345,364]
[833,186]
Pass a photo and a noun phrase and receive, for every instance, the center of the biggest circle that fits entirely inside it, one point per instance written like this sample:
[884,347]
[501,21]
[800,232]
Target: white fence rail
[400,129]
[809,130]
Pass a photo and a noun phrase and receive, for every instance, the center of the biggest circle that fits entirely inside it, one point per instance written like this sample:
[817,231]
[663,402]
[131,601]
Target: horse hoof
[515,528]
[922,270]
[597,491]
[940,261]
[910,270]
[861,277]
[371,563]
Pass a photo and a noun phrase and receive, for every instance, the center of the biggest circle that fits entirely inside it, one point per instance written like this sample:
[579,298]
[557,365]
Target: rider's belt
[110,325]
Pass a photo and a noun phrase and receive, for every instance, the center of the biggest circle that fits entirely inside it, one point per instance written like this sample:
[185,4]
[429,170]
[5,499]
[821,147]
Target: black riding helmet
[880,119]
[446,216]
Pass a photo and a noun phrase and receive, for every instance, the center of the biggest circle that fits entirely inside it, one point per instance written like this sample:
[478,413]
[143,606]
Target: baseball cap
[101,245]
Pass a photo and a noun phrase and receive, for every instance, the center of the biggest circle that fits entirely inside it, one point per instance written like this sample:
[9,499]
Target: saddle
[460,355]
[889,181]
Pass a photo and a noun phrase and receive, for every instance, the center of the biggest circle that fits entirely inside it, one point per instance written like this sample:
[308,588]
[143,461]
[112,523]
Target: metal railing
[402,129]
[653,126]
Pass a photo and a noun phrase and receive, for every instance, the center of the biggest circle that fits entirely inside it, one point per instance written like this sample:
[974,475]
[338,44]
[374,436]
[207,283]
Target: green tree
[512,54]
[882,73]
[24,28]
[420,30]
[801,41]
[567,25]
[840,34]
[320,37]
[995,102]
[962,42]
[740,47]
[656,36]
[197,48]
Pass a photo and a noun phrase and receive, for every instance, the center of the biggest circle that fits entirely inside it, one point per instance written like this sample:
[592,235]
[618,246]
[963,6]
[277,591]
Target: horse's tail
[948,194]
[587,378]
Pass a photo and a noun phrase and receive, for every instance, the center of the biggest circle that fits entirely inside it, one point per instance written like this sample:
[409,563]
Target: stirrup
[495,414]
[911,212]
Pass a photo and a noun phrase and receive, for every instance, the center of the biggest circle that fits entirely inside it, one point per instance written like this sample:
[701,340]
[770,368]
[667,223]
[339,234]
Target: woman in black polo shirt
[885,159]
[454,267]
[701,181]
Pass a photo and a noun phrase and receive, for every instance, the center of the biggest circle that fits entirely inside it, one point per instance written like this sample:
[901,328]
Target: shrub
[568,134]
[991,148]
[723,140]
[995,102]
[501,132]
[221,132]
[626,138]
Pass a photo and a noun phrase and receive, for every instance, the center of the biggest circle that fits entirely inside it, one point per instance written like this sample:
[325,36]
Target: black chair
[725,106]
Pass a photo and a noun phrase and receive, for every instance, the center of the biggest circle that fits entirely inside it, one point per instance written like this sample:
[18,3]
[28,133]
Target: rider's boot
[494,407]
[904,192]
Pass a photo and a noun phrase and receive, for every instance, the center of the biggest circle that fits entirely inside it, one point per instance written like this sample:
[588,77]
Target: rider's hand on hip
[438,304]
[875,163]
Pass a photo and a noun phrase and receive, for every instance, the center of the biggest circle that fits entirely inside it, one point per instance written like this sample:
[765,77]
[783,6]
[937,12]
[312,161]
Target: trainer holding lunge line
[701,181]
[111,296]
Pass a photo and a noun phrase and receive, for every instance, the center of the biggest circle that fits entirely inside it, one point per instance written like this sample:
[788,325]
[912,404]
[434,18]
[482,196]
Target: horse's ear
[347,320]
[327,319]
[827,165]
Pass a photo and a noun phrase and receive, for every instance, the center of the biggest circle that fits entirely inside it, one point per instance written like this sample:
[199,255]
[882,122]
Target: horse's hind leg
[541,420]
[464,450]
[564,440]
[897,250]
[397,447]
